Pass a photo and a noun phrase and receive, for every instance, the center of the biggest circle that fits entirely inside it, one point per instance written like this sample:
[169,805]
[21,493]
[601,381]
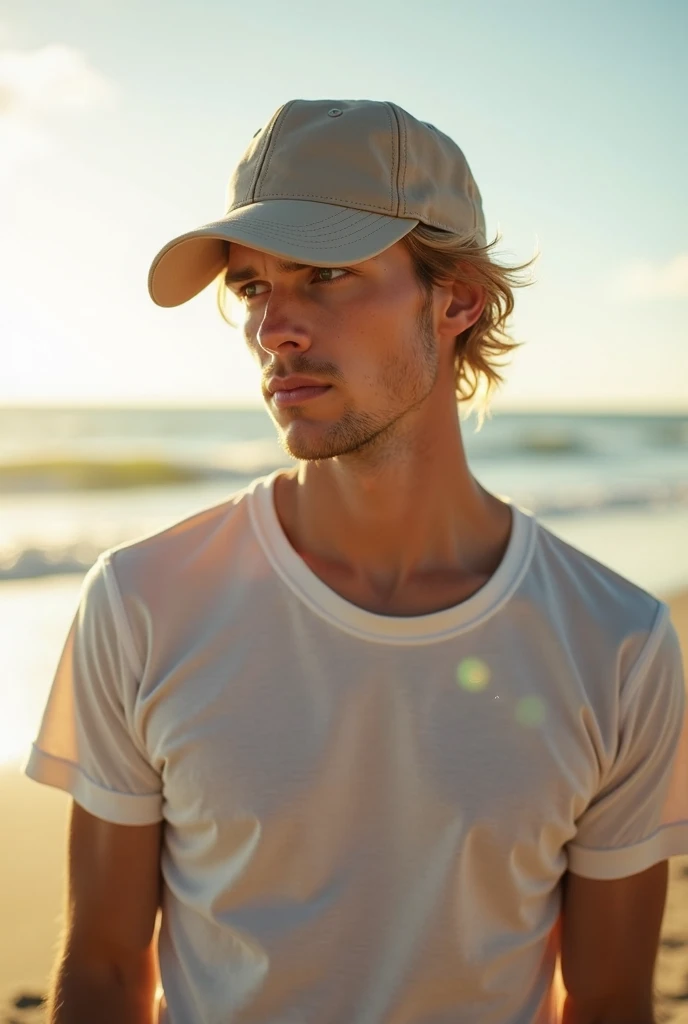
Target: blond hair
[482,349]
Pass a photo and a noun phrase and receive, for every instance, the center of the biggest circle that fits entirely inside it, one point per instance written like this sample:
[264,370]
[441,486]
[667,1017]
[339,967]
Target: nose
[279,329]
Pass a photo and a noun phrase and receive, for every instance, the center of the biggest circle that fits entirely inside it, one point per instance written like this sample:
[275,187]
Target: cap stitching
[318,242]
[402,173]
[398,154]
[313,242]
[317,197]
[349,211]
[250,195]
[288,229]
[394,158]
[319,239]
[277,135]
[259,159]
[409,216]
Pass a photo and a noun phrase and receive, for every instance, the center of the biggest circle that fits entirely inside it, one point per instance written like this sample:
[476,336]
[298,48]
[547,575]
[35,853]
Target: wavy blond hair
[481,350]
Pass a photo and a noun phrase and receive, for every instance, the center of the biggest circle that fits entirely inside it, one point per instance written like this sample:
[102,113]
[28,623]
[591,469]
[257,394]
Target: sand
[32,866]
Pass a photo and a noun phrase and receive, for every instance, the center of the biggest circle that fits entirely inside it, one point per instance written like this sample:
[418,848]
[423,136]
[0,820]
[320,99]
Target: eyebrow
[248,273]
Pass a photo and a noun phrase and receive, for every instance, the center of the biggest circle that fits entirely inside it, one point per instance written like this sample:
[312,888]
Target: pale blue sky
[120,121]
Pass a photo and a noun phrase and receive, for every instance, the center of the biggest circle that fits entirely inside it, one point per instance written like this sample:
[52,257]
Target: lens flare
[530,711]
[472,674]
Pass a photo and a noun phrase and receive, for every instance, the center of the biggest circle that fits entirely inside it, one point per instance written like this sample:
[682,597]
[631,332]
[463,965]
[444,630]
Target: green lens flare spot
[472,674]
[530,711]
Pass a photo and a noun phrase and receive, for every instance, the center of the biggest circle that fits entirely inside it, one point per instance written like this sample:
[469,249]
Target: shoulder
[183,563]
[590,602]
[159,589]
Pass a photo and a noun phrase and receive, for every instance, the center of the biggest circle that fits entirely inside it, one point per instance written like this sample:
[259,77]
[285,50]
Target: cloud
[36,87]
[52,79]
[643,280]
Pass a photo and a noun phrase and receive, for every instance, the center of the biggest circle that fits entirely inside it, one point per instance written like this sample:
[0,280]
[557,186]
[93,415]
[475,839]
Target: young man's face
[366,331]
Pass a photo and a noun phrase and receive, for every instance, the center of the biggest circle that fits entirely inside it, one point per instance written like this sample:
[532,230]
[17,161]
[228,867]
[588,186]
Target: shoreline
[33,861]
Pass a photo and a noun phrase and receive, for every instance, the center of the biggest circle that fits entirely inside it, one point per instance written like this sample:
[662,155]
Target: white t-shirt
[366,817]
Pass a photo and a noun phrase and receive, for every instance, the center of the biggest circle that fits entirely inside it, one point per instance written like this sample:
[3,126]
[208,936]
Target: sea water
[615,486]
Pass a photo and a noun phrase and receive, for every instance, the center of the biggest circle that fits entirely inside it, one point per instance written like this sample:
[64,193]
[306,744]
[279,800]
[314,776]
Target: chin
[310,442]
[307,449]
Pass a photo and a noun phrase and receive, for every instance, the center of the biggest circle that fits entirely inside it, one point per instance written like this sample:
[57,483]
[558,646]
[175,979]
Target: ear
[460,305]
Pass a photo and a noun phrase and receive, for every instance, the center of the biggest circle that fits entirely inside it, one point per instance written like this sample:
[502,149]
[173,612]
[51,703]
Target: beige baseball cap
[328,183]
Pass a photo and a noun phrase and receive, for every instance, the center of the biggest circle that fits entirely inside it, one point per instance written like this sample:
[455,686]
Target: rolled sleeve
[640,815]
[87,743]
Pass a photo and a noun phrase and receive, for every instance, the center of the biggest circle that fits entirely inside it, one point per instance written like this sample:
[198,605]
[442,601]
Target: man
[377,744]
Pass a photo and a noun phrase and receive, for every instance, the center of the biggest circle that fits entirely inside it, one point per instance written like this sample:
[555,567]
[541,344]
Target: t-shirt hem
[118,808]
[669,841]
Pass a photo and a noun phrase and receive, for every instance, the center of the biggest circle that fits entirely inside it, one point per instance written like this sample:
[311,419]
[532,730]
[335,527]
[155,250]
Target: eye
[321,275]
[329,270]
[246,293]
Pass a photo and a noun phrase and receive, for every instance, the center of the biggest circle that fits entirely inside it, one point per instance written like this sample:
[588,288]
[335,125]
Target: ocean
[74,482]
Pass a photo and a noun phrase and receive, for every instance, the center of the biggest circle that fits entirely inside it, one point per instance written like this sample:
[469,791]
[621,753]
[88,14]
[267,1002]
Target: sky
[121,121]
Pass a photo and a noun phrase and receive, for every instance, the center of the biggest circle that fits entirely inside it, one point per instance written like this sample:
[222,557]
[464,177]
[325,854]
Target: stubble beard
[371,435]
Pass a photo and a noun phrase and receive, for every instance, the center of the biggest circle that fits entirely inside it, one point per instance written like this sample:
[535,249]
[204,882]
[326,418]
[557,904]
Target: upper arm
[609,940]
[114,887]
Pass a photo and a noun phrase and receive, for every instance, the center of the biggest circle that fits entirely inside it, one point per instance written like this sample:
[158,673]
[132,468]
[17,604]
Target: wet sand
[32,866]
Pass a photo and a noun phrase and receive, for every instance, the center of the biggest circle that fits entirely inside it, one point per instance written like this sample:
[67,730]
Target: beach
[32,867]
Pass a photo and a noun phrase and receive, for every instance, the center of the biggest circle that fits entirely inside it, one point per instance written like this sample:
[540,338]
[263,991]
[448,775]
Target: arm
[610,935]
[107,968]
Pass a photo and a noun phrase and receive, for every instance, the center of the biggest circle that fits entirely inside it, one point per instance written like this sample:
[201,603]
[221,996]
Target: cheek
[387,330]
[385,308]
[392,306]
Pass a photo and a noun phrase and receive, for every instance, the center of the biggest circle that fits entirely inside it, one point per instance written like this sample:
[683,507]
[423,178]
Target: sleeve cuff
[668,841]
[119,808]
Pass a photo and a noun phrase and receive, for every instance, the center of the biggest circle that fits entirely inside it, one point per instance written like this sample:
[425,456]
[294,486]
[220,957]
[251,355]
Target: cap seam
[370,208]
[342,212]
[394,144]
[267,157]
[262,145]
[402,177]
[398,155]
[251,194]
[317,197]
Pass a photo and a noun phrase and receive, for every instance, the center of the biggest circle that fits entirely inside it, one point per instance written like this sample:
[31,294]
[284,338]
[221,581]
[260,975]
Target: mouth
[297,396]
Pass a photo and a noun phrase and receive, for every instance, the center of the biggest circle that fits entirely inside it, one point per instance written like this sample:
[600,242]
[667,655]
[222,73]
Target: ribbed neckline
[390,629]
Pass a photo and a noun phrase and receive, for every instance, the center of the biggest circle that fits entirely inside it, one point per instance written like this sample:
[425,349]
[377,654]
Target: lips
[292,383]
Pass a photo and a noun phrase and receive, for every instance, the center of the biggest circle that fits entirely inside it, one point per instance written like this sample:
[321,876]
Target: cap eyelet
[335,112]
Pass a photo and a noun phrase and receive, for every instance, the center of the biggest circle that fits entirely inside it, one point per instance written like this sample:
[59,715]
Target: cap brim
[319,234]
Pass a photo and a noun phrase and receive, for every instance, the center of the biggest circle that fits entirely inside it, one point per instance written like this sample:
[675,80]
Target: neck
[403,515]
